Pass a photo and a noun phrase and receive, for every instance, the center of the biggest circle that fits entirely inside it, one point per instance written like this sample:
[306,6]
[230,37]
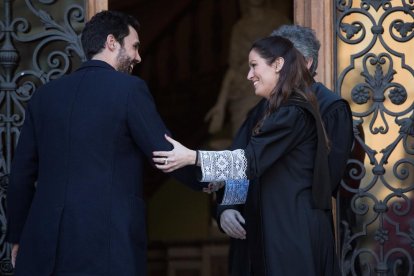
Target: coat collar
[95,63]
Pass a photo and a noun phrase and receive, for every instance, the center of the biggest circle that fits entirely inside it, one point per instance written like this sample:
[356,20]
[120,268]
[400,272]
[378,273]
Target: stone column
[318,15]
[95,6]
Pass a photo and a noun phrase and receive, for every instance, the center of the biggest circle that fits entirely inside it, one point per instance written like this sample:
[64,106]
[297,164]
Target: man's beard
[125,63]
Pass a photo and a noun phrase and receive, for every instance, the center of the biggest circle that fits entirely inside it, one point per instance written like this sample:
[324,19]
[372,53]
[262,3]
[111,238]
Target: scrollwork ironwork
[376,4]
[57,46]
[374,215]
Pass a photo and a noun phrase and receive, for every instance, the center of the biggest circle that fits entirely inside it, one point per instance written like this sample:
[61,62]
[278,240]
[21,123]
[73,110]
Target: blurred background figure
[236,96]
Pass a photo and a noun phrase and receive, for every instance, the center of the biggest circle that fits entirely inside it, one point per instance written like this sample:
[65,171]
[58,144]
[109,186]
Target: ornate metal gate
[41,43]
[374,53]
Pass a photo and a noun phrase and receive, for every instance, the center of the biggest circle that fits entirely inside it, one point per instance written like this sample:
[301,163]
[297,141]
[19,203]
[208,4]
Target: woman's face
[263,76]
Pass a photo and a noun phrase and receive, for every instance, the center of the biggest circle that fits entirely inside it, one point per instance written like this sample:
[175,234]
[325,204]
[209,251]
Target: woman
[285,162]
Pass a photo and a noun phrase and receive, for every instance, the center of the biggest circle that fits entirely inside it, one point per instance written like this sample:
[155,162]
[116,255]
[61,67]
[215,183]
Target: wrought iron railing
[374,72]
[35,48]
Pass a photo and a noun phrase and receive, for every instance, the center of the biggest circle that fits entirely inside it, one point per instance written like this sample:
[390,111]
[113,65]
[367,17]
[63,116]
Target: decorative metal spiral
[375,203]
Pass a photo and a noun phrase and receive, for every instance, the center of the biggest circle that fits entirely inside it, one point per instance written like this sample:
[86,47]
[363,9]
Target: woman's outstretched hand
[179,157]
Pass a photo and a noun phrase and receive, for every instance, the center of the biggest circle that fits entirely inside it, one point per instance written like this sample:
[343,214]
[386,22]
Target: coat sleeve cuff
[235,192]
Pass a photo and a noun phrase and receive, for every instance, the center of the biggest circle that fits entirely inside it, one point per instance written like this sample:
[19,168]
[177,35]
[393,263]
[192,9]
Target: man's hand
[15,249]
[230,222]
[213,187]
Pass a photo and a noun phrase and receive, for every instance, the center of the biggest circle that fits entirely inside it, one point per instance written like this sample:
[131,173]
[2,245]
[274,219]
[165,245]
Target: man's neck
[103,57]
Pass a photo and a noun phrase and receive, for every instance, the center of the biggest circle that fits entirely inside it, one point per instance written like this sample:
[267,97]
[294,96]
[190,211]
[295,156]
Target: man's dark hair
[103,24]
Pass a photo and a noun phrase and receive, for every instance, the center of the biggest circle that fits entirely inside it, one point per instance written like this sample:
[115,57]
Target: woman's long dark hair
[294,77]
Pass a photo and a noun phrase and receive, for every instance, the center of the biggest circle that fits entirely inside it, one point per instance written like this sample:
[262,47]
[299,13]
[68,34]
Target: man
[337,118]
[84,141]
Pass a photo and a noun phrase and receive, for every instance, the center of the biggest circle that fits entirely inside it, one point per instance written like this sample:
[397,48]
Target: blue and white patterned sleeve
[235,192]
[223,165]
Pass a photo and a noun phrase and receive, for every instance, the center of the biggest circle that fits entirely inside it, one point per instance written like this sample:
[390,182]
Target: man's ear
[278,64]
[111,42]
